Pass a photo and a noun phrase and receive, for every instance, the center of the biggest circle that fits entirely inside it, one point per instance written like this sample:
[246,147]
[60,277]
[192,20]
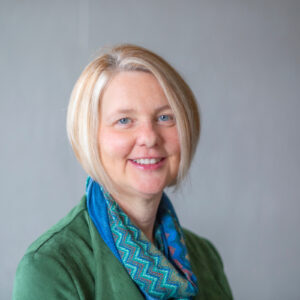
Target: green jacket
[71,261]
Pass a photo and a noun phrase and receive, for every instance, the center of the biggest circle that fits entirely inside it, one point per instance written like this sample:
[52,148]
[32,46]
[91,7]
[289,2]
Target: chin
[153,187]
[150,189]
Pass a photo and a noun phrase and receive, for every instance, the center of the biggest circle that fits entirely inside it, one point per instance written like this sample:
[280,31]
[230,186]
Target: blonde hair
[83,110]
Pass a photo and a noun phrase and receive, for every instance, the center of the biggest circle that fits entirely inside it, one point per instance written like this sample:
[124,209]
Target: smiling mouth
[147,161]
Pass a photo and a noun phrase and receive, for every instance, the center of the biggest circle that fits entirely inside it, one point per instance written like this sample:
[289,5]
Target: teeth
[146,161]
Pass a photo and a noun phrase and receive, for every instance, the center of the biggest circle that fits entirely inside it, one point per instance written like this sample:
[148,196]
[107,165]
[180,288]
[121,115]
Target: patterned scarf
[161,271]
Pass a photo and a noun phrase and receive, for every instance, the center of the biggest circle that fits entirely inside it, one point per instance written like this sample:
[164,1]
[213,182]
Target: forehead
[133,90]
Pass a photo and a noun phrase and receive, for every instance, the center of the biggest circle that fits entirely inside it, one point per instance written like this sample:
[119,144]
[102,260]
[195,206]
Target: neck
[141,211]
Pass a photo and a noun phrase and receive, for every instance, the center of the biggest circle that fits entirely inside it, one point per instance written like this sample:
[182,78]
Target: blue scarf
[161,271]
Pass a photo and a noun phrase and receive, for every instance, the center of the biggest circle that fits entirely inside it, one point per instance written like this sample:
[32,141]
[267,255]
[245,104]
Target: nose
[147,135]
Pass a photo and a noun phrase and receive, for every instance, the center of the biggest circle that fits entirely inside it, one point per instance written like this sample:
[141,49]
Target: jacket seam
[59,231]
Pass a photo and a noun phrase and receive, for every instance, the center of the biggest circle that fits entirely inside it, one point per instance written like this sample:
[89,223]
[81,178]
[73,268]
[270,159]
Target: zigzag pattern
[146,264]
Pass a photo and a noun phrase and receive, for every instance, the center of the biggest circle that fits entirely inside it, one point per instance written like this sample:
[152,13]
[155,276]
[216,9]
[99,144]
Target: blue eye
[165,118]
[124,121]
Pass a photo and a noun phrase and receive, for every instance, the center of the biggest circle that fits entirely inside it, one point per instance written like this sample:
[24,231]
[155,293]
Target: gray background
[241,58]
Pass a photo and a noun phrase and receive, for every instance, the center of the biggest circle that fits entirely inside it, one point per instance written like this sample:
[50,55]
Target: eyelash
[170,118]
[125,121]
[122,119]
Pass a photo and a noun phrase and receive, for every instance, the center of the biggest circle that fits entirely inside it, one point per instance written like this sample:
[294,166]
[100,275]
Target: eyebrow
[167,106]
[126,111]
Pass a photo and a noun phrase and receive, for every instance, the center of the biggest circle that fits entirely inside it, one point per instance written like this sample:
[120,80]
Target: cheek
[172,142]
[174,150]
[114,144]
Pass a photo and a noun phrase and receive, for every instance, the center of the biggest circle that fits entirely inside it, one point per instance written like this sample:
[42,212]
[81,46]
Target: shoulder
[53,263]
[200,246]
[208,267]
[69,229]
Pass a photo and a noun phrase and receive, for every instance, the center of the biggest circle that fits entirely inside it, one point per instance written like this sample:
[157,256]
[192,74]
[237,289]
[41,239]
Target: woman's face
[138,138]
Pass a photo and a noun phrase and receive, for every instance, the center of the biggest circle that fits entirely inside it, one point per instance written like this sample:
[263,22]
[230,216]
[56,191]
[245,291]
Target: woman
[133,124]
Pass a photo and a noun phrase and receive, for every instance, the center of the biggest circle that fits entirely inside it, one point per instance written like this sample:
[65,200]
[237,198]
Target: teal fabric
[71,261]
[159,272]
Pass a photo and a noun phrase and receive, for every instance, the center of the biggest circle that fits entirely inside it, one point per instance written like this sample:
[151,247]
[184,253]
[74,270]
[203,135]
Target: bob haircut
[85,101]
